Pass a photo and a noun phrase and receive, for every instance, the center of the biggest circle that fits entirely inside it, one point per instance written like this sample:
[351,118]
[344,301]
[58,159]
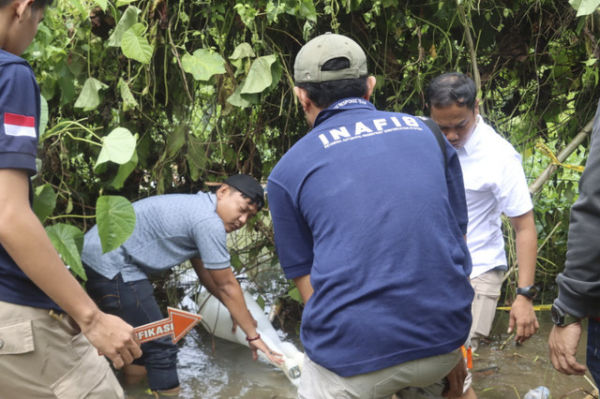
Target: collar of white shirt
[472,142]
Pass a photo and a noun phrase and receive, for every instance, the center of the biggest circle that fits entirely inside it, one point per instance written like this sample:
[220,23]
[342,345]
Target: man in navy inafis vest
[370,226]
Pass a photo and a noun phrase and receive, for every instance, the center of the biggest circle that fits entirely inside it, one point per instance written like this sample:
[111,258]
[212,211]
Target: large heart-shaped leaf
[115,218]
[203,64]
[68,241]
[242,101]
[260,77]
[584,7]
[128,19]
[243,50]
[118,146]
[89,98]
[135,45]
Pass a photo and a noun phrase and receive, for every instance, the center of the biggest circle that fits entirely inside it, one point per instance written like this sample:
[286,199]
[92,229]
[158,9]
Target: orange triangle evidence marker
[177,324]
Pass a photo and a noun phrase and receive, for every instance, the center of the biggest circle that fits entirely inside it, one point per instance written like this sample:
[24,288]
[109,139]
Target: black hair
[451,88]
[37,4]
[256,200]
[323,94]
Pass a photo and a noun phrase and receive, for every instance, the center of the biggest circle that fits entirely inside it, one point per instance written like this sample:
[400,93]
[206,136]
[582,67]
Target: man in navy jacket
[369,216]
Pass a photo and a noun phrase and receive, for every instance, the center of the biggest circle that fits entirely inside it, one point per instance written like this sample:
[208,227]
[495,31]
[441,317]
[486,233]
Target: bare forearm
[233,298]
[205,278]
[526,246]
[304,287]
[526,258]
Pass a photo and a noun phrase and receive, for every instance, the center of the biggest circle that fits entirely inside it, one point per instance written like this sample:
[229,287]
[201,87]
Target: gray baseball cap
[319,50]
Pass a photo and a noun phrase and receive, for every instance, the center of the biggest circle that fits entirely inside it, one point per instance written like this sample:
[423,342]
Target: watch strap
[570,319]
[529,292]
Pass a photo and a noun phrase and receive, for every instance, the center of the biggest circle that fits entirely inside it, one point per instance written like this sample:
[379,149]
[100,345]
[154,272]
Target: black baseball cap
[249,187]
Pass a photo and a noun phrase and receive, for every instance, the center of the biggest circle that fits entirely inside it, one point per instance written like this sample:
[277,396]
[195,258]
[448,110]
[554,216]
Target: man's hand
[259,345]
[562,343]
[456,380]
[523,316]
[113,338]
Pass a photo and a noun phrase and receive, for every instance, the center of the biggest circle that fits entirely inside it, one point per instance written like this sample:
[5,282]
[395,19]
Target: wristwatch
[530,291]
[561,319]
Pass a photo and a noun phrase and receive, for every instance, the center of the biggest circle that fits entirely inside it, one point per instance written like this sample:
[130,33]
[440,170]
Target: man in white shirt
[495,184]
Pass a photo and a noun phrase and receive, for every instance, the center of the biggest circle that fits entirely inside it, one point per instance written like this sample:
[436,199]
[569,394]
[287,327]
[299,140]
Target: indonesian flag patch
[19,125]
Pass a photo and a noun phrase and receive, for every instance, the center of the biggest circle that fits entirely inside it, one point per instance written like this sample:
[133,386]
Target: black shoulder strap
[438,135]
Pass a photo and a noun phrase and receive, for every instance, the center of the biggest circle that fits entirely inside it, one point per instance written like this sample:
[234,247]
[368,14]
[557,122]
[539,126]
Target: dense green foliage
[149,97]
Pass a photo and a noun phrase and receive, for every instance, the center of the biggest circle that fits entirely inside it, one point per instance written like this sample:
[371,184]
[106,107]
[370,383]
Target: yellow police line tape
[540,145]
[536,307]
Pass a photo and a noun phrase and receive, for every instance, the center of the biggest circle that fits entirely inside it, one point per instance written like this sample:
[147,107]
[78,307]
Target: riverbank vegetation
[151,97]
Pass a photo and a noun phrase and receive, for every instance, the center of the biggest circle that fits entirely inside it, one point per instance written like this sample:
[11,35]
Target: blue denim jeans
[134,302]
[593,349]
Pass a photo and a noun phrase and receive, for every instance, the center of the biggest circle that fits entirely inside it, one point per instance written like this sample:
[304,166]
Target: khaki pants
[318,382]
[487,288]
[46,357]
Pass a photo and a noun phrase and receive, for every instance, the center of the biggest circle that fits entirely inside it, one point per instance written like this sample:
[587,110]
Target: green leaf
[308,10]
[235,261]
[243,50]
[128,19]
[273,11]
[135,44]
[276,74]
[584,7]
[68,241]
[102,3]
[129,101]
[44,201]
[89,98]
[203,64]
[294,293]
[236,99]
[43,116]
[115,218]
[118,146]
[121,3]
[196,157]
[124,172]
[260,77]
[176,140]
[260,300]
[66,83]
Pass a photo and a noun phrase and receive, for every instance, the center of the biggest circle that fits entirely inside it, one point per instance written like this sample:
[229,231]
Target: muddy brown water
[508,371]
[217,369]
[213,368]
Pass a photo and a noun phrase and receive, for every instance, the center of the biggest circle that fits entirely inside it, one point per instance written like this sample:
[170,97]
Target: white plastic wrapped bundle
[217,320]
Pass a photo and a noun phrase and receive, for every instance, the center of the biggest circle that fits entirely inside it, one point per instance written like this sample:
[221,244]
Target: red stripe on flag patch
[19,120]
